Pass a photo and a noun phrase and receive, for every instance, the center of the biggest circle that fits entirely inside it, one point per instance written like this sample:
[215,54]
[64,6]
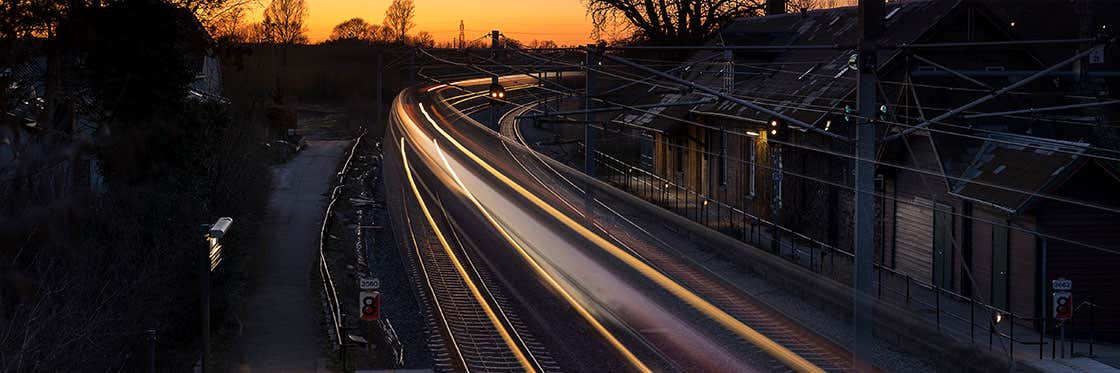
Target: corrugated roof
[1025,163]
[802,83]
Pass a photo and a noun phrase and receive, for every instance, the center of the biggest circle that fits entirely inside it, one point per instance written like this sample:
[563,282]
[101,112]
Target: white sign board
[367,283]
[1062,284]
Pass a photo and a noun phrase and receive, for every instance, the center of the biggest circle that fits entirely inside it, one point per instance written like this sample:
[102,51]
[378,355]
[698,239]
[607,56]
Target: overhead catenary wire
[916,170]
[1006,142]
[889,164]
[899,200]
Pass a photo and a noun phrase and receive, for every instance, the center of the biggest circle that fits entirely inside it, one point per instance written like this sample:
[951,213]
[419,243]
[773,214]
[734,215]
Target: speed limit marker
[370,303]
[1063,305]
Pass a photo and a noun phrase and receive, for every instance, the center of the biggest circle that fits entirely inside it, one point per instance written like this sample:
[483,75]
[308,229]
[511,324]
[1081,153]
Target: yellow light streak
[742,330]
[583,312]
[462,271]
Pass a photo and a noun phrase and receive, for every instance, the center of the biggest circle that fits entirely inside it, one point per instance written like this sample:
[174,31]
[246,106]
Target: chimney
[775,7]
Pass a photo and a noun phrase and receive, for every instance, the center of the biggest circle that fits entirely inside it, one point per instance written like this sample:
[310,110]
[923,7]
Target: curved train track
[475,327]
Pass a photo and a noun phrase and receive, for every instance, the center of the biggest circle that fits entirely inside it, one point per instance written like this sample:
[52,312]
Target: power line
[898,166]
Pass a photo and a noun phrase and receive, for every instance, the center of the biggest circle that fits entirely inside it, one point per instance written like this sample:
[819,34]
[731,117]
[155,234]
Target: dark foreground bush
[91,274]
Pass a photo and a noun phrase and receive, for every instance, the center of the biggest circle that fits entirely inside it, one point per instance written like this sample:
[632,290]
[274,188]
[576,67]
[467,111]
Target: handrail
[666,184]
[324,268]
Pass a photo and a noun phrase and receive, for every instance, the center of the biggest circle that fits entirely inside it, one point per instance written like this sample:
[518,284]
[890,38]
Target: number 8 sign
[370,305]
[1063,305]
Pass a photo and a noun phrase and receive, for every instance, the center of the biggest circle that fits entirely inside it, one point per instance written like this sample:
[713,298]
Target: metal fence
[952,312]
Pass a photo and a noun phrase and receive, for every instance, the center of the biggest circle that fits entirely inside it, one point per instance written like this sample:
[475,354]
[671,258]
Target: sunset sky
[564,21]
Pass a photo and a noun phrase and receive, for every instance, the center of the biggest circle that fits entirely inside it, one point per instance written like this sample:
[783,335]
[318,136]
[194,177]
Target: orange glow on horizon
[562,21]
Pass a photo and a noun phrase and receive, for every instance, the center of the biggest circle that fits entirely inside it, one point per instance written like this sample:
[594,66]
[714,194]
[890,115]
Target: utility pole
[591,59]
[462,35]
[1085,30]
[495,39]
[871,26]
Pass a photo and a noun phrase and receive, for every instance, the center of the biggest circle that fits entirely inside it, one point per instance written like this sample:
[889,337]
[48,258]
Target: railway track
[467,338]
[472,316]
[736,302]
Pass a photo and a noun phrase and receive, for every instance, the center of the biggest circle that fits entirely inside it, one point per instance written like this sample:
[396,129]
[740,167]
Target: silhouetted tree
[283,21]
[424,39]
[398,19]
[355,29]
[668,21]
[542,44]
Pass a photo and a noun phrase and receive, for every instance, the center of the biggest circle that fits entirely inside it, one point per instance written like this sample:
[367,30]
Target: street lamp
[997,318]
[205,266]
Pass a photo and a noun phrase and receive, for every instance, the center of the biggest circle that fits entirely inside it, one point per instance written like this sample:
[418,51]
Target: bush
[107,267]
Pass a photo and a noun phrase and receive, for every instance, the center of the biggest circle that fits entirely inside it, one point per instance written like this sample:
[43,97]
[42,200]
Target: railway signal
[497,93]
[370,303]
[779,129]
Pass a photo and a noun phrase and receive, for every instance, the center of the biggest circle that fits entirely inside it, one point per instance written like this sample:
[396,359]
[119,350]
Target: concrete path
[281,322]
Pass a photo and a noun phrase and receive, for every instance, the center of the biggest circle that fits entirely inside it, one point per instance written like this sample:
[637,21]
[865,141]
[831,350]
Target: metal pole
[871,25]
[1042,109]
[907,290]
[616,108]
[1092,330]
[1043,289]
[988,97]
[204,311]
[1062,340]
[1042,340]
[937,301]
[152,351]
[1053,345]
[1073,334]
[951,71]
[880,276]
[971,320]
[495,39]
[1011,335]
[725,96]
[591,59]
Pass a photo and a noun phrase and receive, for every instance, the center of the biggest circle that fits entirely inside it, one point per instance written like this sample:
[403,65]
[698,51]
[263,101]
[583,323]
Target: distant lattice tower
[462,35]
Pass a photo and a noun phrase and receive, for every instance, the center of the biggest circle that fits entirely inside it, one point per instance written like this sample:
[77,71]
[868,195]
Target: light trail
[462,271]
[540,270]
[727,321]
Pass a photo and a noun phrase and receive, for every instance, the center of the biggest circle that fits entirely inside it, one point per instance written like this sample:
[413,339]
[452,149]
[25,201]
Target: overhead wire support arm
[1008,43]
[951,71]
[763,47]
[724,96]
[992,95]
[616,108]
[1042,109]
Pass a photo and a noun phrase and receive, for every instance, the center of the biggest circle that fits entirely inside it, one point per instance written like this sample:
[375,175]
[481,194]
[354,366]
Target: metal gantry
[868,117]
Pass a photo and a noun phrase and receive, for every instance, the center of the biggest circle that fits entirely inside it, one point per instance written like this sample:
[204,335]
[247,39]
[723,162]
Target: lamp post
[215,233]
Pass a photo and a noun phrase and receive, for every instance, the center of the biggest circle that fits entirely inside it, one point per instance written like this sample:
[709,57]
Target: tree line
[670,22]
[285,22]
